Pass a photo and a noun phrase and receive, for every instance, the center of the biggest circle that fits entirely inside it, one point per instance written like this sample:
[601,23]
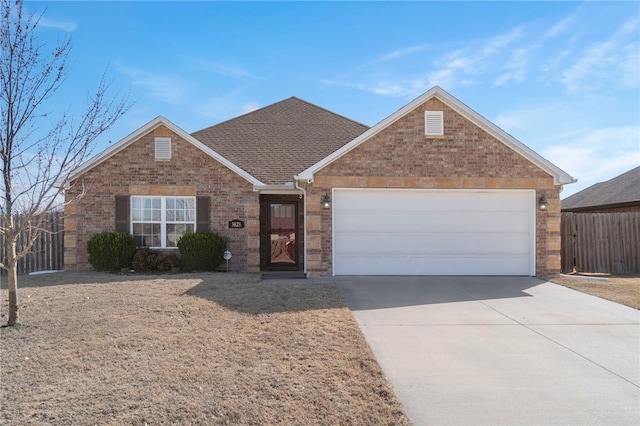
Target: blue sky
[561,77]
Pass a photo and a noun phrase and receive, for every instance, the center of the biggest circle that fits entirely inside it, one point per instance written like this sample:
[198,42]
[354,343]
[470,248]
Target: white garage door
[433,232]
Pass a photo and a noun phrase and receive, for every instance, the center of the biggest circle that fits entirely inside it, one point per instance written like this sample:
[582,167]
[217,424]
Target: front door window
[282,233]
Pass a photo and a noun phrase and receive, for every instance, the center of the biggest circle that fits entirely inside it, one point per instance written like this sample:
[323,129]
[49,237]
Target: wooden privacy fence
[601,242]
[47,252]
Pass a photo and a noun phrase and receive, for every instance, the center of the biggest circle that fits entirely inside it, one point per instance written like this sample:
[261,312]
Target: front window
[161,221]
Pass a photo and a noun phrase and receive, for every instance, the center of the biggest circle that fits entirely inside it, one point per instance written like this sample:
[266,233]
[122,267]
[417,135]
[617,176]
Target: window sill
[160,248]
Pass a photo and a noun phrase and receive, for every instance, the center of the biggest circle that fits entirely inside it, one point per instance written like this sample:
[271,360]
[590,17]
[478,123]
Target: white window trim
[163,217]
[162,148]
[433,123]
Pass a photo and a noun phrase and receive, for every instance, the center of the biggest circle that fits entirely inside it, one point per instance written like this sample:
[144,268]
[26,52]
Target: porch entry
[280,234]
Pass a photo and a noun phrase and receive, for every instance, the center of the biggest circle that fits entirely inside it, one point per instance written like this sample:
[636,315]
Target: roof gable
[150,126]
[623,189]
[276,142]
[560,176]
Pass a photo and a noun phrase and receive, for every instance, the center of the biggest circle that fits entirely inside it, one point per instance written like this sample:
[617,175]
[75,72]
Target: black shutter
[202,213]
[122,213]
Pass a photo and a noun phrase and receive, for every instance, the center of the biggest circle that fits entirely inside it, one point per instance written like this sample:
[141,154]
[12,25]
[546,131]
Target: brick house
[433,189]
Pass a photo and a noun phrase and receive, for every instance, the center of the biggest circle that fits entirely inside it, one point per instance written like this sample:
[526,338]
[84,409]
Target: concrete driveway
[500,350]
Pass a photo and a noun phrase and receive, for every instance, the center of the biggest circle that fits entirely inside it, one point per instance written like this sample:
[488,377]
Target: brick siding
[400,156]
[134,171]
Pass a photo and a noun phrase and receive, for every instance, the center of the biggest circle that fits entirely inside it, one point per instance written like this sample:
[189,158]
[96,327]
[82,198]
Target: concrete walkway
[500,350]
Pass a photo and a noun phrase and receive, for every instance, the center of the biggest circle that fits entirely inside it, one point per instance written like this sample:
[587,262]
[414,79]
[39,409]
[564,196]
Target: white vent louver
[163,148]
[433,123]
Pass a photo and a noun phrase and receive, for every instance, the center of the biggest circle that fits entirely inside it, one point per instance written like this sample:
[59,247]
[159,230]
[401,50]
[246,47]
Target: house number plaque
[236,224]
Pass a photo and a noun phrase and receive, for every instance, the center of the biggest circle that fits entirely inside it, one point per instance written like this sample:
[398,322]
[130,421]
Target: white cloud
[249,107]
[217,109]
[612,62]
[499,43]
[397,54]
[517,65]
[387,88]
[561,27]
[405,88]
[461,60]
[450,69]
[394,55]
[372,76]
[629,67]
[68,26]
[555,60]
[164,87]
[596,156]
[577,137]
[225,106]
[227,70]
[533,118]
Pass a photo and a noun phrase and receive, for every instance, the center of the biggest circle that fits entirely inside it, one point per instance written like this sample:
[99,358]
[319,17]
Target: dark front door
[282,234]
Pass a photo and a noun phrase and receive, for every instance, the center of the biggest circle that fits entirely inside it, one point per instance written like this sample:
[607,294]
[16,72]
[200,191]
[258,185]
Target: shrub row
[115,251]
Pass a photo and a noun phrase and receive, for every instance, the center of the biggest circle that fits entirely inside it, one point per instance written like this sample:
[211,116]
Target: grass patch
[209,349]
[620,289]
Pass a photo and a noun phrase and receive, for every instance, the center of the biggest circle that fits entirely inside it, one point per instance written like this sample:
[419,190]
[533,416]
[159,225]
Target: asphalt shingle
[281,140]
[619,190]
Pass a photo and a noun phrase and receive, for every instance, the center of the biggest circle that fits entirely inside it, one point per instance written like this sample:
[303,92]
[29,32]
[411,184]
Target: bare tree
[38,150]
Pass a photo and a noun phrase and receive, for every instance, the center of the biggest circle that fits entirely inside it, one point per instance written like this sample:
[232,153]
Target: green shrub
[111,251]
[146,260]
[202,251]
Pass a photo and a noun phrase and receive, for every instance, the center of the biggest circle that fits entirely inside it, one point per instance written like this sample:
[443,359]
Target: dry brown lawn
[187,349]
[621,289]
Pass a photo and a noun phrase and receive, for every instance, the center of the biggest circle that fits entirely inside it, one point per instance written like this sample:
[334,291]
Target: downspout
[304,238]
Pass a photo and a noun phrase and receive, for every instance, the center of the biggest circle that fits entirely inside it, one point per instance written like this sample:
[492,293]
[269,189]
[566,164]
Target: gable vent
[433,123]
[163,148]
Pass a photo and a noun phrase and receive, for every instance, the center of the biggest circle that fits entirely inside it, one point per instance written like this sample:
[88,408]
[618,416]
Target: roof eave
[285,188]
[601,206]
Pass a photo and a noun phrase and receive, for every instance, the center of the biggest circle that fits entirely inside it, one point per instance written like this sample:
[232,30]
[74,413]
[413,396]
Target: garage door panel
[434,244]
[355,221]
[432,265]
[452,232]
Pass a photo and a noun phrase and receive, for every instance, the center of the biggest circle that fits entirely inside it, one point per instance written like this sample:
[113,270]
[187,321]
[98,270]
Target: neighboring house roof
[156,122]
[280,140]
[617,192]
[559,175]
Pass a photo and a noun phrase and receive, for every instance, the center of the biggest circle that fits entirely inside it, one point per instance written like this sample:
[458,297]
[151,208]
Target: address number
[236,224]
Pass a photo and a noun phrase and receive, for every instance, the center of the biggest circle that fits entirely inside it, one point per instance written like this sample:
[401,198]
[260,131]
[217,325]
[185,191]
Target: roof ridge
[255,111]
[280,139]
[329,111]
[244,115]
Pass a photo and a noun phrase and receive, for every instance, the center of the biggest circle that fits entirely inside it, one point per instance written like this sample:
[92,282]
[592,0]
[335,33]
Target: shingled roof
[279,141]
[619,191]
